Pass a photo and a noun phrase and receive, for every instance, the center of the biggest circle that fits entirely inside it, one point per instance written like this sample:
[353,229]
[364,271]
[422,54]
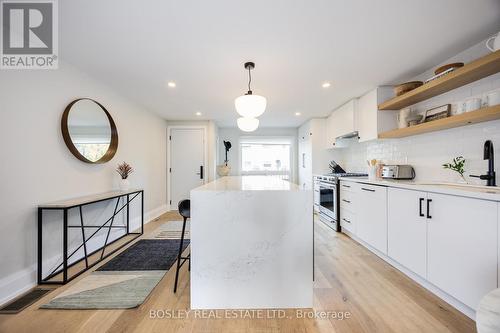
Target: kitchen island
[251,244]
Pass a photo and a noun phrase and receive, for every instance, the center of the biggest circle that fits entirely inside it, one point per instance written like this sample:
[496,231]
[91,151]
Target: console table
[77,203]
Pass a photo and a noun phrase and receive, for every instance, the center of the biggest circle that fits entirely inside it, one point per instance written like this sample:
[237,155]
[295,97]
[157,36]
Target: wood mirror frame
[113,145]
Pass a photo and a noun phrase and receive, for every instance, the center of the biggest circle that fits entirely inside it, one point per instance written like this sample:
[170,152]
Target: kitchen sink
[464,187]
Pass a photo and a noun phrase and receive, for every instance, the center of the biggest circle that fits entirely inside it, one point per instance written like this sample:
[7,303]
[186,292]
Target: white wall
[234,134]
[427,152]
[37,167]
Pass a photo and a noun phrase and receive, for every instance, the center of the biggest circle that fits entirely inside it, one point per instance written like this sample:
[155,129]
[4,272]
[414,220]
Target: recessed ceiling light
[298,114]
[198,113]
[326,84]
[171,84]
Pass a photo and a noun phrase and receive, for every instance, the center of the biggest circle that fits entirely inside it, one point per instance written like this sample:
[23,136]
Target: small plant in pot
[124,170]
[457,165]
[225,169]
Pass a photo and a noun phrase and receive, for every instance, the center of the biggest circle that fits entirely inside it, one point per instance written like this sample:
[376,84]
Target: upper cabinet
[370,122]
[360,115]
[341,122]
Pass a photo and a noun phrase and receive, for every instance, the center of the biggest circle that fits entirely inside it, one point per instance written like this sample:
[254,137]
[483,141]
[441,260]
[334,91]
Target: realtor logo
[29,34]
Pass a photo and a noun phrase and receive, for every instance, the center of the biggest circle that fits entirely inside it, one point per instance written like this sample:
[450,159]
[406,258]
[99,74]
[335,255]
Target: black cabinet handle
[201,171]
[367,189]
[344,200]
[347,186]
[428,208]
[346,220]
[421,200]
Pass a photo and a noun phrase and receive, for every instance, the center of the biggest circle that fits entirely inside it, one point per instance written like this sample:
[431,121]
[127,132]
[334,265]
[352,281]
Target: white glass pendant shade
[248,124]
[250,106]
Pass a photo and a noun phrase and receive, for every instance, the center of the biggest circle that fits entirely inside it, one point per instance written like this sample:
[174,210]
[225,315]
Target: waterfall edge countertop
[251,244]
[249,183]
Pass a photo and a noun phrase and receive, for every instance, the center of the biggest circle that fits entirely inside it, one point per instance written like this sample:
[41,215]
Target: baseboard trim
[466,310]
[18,283]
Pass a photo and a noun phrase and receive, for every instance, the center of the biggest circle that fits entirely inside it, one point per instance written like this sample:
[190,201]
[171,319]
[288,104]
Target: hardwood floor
[348,278]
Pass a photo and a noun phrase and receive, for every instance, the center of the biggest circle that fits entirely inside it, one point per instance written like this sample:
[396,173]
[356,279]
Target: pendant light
[249,106]
[248,124]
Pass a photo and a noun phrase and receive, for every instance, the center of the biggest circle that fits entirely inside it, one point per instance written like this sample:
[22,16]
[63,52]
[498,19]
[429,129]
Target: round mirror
[89,131]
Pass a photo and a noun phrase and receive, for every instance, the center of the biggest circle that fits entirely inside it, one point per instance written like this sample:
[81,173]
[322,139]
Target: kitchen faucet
[489,155]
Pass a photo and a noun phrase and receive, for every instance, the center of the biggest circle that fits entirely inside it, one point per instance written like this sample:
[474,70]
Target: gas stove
[333,177]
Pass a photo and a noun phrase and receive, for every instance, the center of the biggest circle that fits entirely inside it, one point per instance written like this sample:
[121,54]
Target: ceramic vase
[124,185]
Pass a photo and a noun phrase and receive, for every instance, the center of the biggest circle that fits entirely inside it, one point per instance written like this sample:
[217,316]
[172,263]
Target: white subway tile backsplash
[427,152]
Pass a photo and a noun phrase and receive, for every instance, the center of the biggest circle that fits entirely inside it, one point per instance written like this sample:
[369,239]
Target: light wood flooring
[348,278]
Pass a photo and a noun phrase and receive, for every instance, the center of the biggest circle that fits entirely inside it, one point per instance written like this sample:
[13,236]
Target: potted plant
[224,169]
[124,170]
[457,165]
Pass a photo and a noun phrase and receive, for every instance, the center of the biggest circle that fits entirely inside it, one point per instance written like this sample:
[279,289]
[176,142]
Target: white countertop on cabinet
[463,190]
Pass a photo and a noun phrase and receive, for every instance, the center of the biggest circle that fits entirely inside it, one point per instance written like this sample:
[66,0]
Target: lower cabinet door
[407,229]
[462,246]
[371,215]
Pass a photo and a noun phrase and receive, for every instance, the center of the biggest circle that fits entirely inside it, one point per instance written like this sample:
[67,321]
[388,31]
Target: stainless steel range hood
[351,135]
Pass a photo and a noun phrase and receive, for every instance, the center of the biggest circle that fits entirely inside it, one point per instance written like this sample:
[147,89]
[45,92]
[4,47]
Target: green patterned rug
[108,290]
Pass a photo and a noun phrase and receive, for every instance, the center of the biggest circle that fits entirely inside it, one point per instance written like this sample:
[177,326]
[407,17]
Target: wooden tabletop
[68,203]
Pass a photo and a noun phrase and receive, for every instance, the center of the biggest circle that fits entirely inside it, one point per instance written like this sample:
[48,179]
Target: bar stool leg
[179,255]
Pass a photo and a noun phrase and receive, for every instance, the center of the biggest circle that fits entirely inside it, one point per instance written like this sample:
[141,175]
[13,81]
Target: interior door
[187,156]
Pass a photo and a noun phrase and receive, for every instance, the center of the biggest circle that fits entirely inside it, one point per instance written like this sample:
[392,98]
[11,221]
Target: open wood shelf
[473,71]
[473,117]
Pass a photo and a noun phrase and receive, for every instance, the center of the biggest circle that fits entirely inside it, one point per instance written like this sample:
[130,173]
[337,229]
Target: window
[266,157]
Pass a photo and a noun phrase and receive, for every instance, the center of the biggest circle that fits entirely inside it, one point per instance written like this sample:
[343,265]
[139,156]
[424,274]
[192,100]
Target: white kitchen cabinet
[341,121]
[407,229]
[316,195]
[371,215]
[312,157]
[462,246]
[370,121]
[348,202]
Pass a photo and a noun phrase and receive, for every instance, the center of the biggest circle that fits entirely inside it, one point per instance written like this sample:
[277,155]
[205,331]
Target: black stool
[185,211]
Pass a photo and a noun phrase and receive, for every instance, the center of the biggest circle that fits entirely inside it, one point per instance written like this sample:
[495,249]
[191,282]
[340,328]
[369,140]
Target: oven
[328,205]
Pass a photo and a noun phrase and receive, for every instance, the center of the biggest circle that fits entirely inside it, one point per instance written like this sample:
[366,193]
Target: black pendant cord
[249,80]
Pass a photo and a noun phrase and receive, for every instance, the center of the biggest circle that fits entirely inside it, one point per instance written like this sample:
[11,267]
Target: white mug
[496,43]
[472,104]
[461,107]
[403,116]
[493,98]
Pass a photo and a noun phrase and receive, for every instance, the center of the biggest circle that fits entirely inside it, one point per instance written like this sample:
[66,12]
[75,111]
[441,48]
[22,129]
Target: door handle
[428,208]
[420,213]
[367,189]
[201,172]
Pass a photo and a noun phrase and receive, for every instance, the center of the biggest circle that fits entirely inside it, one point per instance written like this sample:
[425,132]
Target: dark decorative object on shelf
[227,145]
[438,112]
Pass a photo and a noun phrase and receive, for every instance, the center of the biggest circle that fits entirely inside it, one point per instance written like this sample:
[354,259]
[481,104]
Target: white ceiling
[137,46]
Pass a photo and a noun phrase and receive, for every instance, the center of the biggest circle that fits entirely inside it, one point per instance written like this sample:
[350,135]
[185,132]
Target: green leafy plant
[457,165]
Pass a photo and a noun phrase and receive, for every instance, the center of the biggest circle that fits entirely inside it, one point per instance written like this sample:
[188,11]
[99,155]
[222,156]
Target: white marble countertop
[479,192]
[249,183]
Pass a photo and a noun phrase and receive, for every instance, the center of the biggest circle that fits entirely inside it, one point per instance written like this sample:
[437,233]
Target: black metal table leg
[109,229]
[65,245]
[39,247]
[142,212]
[128,213]
[83,238]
